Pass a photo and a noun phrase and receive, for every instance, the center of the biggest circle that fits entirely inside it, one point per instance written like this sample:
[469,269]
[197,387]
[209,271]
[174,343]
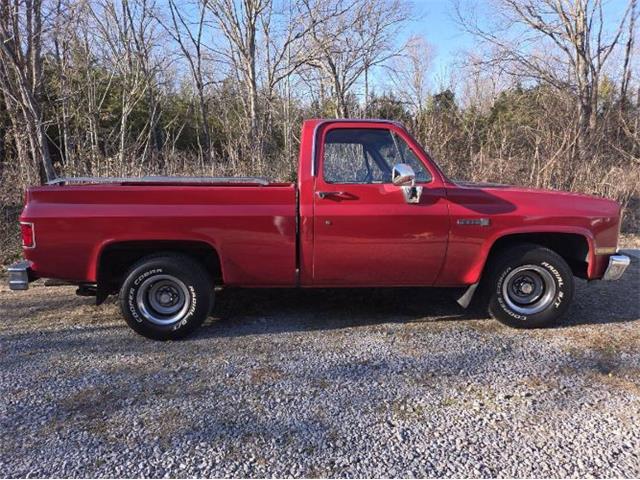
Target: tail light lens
[28,235]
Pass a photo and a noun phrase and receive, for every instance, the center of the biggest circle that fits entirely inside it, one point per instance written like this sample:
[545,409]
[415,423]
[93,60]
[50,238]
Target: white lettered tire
[529,286]
[166,296]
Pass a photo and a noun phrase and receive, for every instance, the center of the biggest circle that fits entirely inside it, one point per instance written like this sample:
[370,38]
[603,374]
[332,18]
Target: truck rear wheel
[529,286]
[166,296]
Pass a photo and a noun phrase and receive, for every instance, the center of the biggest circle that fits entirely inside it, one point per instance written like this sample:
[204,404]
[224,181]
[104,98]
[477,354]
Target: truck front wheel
[166,296]
[529,286]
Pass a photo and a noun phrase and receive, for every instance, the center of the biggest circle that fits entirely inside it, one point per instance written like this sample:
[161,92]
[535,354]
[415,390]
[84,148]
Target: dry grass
[629,240]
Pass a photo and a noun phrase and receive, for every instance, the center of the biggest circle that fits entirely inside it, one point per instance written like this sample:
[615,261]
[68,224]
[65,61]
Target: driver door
[365,233]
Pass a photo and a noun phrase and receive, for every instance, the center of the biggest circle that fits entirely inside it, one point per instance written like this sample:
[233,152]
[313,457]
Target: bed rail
[158,179]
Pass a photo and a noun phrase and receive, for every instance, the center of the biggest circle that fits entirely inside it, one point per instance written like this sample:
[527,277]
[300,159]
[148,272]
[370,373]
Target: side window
[349,163]
[353,155]
[348,157]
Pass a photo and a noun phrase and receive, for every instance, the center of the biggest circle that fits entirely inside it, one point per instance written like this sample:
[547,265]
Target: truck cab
[362,222]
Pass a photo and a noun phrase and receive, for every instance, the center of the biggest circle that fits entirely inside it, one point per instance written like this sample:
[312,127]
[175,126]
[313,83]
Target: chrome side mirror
[403,175]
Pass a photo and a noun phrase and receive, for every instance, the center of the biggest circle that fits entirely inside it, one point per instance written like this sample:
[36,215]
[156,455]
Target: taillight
[28,235]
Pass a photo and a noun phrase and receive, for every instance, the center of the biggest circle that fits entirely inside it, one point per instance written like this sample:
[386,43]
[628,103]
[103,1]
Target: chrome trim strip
[342,120]
[617,265]
[482,222]
[19,275]
[158,179]
[606,250]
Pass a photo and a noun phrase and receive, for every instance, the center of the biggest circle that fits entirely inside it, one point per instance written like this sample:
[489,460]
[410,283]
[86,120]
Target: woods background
[549,96]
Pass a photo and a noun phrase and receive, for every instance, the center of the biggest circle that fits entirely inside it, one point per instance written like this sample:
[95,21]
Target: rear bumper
[20,274]
[617,265]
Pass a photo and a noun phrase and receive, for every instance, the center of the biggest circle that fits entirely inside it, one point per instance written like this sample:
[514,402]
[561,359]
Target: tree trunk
[204,114]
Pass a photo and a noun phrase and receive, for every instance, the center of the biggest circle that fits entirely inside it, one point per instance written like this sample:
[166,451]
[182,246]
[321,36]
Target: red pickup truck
[370,208]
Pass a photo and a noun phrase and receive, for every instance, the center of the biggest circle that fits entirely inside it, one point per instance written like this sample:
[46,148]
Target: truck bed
[253,224]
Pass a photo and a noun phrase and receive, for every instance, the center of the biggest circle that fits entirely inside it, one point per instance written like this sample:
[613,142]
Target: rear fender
[147,246]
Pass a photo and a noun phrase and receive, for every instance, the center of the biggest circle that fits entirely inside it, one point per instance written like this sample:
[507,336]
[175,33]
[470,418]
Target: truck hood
[544,201]
[530,190]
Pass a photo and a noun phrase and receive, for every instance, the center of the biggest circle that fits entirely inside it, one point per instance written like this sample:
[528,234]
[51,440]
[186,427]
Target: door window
[355,155]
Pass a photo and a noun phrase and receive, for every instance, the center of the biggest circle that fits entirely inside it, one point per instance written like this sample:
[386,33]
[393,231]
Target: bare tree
[125,30]
[628,54]
[143,35]
[264,47]
[562,44]
[409,73]
[284,28]
[350,37]
[187,28]
[21,40]
[239,22]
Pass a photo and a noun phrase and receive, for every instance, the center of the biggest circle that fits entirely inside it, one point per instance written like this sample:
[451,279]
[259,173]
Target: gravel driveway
[321,383]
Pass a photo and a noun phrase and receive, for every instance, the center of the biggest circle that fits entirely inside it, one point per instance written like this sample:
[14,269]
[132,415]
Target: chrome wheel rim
[529,289]
[163,299]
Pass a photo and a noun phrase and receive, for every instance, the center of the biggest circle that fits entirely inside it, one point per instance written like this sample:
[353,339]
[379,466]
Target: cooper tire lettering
[172,305]
[537,280]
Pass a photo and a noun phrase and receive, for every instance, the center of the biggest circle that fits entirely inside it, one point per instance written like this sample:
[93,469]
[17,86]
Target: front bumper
[617,265]
[20,274]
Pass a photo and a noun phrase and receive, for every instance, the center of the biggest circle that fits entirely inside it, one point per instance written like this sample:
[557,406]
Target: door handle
[329,194]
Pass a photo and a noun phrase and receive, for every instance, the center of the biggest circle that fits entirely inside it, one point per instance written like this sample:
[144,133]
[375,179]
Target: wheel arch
[574,246]
[116,257]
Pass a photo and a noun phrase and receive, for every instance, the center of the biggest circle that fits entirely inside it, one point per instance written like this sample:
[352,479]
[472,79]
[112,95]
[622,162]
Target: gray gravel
[346,383]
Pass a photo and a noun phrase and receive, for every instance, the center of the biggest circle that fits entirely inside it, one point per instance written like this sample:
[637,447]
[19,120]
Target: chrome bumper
[20,275]
[617,265]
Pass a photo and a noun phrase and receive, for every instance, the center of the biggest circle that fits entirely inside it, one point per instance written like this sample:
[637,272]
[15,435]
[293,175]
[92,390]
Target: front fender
[467,255]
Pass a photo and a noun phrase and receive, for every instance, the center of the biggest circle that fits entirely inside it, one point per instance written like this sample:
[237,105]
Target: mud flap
[467,296]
